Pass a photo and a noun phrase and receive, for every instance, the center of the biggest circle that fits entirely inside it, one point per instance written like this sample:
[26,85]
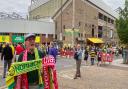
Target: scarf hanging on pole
[49,62]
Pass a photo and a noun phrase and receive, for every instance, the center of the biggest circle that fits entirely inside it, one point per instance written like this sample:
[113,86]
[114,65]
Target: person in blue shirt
[78,61]
[53,51]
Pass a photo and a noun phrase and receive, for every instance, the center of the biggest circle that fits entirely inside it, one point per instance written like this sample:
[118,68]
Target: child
[92,55]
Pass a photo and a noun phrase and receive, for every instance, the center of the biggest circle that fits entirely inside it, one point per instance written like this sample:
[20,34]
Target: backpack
[76,56]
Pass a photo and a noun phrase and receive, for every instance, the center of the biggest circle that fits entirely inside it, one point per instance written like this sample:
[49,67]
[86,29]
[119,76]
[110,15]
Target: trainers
[75,77]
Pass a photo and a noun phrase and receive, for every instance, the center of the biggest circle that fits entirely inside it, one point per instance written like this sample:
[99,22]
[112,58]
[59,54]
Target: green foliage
[122,24]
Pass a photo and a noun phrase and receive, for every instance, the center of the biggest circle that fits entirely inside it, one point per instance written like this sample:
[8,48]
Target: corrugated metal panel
[24,26]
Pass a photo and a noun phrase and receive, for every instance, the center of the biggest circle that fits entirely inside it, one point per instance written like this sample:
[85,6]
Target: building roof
[98,3]
[37,4]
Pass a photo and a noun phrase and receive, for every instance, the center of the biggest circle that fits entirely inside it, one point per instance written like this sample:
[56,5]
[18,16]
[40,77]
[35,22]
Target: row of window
[4,33]
[105,18]
[108,34]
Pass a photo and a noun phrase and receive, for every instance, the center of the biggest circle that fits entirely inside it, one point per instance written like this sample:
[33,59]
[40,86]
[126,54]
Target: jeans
[78,64]
[6,63]
[92,61]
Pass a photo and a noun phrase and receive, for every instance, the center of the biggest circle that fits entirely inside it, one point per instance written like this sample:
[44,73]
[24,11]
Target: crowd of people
[94,55]
[15,53]
[26,52]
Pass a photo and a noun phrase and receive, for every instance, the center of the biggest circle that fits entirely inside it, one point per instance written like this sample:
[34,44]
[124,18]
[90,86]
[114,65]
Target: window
[100,16]
[109,20]
[79,34]
[55,36]
[85,35]
[63,37]
[79,24]
[64,27]
[111,33]
[112,21]
[93,26]
[92,32]
[100,31]
[105,18]
[4,33]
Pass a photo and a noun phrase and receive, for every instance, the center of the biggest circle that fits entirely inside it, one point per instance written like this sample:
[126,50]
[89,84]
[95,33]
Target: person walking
[99,56]
[0,49]
[32,53]
[78,58]
[7,55]
[86,56]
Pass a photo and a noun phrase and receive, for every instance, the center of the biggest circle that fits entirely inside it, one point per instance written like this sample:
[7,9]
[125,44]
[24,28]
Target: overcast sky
[21,6]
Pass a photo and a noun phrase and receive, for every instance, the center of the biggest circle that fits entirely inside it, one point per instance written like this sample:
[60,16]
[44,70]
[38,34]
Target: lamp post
[73,21]
[61,36]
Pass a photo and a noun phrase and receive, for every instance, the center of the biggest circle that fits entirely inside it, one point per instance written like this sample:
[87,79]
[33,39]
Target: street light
[73,21]
[61,36]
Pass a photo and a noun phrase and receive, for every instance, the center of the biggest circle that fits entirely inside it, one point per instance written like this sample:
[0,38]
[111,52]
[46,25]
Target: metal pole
[73,21]
[61,37]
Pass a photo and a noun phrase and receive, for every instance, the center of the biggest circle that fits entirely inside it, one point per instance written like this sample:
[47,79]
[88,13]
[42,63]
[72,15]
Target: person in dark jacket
[7,55]
[0,49]
[86,55]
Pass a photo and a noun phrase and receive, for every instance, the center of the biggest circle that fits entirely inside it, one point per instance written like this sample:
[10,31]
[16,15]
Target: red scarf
[22,80]
[49,62]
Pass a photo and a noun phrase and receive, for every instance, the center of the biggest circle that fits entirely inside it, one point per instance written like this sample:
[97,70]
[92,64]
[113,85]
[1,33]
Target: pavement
[108,76]
[2,80]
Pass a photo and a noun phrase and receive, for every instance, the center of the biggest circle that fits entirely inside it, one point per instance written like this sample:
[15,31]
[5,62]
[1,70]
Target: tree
[122,24]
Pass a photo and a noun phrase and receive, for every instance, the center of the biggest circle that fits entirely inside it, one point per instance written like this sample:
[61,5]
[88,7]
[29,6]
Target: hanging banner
[22,67]
[37,40]
[47,65]
[72,31]
[4,39]
[17,39]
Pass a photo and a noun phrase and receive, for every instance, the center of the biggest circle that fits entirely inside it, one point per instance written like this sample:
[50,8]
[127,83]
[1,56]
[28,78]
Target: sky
[114,4]
[21,6]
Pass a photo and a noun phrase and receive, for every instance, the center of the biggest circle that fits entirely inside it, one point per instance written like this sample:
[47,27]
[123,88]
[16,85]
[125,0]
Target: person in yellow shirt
[13,49]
